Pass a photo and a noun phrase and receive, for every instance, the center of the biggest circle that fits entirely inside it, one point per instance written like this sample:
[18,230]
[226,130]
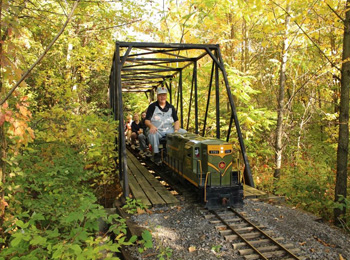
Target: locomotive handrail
[205,187]
[200,166]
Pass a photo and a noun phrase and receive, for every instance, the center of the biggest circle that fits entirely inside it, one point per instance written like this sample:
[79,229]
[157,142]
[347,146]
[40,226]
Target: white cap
[162,90]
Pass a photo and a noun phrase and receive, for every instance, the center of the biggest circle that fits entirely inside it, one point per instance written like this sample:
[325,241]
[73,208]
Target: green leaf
[52,234]
[16,241]
[22,225]
[133,239]
[149,244]
[146,235]
[76,248]
[38,240]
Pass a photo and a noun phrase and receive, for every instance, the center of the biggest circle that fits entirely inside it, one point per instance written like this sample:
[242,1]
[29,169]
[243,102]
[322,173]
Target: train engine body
[207,163]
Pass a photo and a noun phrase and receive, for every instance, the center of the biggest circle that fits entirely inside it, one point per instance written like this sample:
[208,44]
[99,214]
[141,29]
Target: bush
[309,186]
[52,211]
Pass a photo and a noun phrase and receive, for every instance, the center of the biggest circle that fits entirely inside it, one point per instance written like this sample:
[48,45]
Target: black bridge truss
[143,66]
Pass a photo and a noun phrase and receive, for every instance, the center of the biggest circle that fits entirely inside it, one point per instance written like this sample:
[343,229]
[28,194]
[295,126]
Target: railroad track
[251,241]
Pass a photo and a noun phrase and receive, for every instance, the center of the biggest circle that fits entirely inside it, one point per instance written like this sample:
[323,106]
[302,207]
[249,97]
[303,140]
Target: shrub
[52,211]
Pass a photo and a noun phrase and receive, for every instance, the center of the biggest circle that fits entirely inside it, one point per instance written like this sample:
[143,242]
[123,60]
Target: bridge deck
[250,192]
[145,187]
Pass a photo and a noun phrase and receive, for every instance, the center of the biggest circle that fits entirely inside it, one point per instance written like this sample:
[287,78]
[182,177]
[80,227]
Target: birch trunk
[280,101]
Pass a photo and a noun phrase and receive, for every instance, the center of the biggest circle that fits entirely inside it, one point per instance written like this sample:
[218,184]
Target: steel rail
[239,235]
[263,233]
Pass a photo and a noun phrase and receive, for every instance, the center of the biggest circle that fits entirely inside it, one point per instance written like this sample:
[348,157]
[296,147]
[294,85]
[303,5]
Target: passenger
[161,119]
[135,130]
[143,124]
[143,136]
[127,129]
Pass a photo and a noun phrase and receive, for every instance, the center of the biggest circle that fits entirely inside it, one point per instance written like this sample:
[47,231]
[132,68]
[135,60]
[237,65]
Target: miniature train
[206,163]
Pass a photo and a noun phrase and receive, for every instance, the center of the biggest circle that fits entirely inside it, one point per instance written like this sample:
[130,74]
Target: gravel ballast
[182,233]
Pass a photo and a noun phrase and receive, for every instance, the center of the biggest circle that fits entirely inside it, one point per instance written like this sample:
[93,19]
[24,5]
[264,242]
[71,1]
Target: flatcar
[206,163]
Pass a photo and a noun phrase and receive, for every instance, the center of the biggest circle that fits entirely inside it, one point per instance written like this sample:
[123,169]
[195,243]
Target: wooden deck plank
[144,171]
[160,189]
[168,197]
[137,191]
[250,192]
[150,192]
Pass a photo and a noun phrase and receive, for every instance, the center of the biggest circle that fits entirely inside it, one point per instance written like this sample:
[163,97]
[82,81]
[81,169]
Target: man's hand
[153,129]
[176,126]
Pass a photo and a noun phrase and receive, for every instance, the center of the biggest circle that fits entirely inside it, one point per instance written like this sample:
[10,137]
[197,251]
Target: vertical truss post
[195,96]
[122,150]
[151,96]
[208,100]
[117,115]
[181,100]
[170,92]
[190,106]
[217,98]
[177,94]
[247,170]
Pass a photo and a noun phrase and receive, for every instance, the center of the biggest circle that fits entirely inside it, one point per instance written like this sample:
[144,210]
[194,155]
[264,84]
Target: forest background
[284,61]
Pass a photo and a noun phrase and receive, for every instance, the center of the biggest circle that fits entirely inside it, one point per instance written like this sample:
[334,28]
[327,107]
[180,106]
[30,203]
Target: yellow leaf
[23,110]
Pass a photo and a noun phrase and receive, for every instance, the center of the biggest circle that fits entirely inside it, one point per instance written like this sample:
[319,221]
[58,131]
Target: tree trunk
[343,142]
[245,54]
[280,108]
[2,131]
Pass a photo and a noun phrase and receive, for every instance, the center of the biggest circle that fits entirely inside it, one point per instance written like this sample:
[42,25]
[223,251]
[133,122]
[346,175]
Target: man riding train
[161,118]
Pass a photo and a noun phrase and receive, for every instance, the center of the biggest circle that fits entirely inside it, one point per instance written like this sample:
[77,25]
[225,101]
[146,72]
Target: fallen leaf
[221,228]
[191,249]
[341,257]
[281,216]
[302,243]
[323,242]
[166,217]
[257,209]
[140,211]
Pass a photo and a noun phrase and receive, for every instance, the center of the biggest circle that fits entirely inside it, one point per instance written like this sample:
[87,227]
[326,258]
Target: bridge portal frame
[144,66]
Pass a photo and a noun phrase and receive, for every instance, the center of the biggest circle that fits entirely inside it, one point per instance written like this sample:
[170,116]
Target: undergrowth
[52,212]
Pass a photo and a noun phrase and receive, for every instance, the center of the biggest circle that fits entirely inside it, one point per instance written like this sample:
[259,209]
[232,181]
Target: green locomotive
[207,163]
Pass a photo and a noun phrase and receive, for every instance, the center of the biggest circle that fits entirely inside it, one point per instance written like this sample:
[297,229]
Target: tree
[280,109]
[343,141]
